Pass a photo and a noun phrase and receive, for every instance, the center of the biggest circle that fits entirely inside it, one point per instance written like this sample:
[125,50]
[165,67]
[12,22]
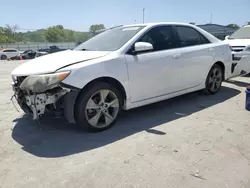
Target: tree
[14,29]
[10,31]
[96,27]
[3,37]
[81,36]
[233,26]
[6,34]
[69,36]
[59,34]
[248,23]
[193,23]
[55,34]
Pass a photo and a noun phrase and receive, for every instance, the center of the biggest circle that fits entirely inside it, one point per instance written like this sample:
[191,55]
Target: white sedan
[122,68]
[7,53]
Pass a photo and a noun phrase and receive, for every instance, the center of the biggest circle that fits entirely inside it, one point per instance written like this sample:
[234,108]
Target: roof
[157,23]
[145,25]
[215,28]
[7,49]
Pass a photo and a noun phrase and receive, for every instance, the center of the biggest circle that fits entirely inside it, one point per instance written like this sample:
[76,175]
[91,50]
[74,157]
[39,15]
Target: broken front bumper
[36,103]
[240,63]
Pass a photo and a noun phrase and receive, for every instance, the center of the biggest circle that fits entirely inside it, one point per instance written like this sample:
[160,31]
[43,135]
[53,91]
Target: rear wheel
[3,57]
[98,107]
[214,80]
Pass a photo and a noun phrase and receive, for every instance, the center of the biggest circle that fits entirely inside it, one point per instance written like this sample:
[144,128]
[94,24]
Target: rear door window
[190,37]
[9,51]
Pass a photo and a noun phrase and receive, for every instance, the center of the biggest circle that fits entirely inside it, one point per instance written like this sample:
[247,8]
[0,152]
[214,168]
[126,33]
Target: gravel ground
[189,141]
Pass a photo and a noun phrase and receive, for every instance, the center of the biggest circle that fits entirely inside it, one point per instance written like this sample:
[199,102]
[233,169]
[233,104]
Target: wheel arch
[106,79]
[73,97]
[221,64]
[3,55]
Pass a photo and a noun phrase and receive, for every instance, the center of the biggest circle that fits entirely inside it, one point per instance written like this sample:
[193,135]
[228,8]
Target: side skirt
[128,105]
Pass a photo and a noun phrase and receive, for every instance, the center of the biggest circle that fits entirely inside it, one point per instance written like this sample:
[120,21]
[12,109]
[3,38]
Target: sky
[80,14]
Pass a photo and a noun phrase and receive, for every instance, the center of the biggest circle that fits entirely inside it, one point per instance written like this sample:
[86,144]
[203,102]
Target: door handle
[211,49]
[176,56]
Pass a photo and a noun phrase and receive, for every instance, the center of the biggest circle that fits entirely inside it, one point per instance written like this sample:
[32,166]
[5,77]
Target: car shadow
[55,138]
[247,75]
[238,83]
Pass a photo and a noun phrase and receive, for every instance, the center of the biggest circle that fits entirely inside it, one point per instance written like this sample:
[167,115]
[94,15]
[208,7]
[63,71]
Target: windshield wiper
[84,49]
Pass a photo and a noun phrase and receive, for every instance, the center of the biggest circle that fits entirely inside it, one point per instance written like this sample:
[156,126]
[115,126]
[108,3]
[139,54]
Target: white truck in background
[240,39]
[239,42]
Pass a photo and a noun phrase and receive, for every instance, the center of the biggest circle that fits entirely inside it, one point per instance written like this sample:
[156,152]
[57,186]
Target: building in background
[218,31]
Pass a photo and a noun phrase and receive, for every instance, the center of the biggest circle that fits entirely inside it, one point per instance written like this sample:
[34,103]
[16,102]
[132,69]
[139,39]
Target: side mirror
[227,37]
[143,47]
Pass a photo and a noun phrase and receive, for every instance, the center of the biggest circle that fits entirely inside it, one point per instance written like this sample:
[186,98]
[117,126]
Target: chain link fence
[36,46]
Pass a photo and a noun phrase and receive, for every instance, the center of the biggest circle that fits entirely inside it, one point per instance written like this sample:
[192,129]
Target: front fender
[85,72]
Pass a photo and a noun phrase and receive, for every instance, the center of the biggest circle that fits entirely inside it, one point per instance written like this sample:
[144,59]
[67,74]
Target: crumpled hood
[239,42]
[52,62]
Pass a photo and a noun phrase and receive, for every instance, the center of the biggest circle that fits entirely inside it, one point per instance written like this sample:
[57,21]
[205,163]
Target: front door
[158,72]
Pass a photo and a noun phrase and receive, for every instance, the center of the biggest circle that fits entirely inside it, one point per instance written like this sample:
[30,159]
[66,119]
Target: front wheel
[3,57]
[214,80]
[98,107]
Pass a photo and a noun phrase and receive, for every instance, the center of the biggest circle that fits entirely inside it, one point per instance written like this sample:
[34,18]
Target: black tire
[3,57]
[81,103]
[215,73]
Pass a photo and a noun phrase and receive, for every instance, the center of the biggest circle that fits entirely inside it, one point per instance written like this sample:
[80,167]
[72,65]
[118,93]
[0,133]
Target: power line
[26,29]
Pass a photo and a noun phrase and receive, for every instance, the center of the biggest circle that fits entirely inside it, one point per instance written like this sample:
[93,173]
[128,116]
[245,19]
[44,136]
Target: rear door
[14,52]
[197,55]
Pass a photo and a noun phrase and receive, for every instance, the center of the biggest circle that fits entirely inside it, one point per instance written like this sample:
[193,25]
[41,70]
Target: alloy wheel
[102,108]
[215,80]
[3,57]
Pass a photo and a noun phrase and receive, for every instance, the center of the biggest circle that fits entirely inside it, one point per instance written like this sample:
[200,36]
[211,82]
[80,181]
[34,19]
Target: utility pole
[211,18]
[143,10]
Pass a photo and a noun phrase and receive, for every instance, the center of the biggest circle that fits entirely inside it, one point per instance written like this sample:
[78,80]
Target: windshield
[110,40]
[242,33]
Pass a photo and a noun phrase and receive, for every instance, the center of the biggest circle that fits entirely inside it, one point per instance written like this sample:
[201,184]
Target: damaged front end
[37,94]
[240,63]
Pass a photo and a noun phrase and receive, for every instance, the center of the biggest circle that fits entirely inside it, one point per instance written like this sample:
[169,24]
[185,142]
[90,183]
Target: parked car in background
[51,49]
[34,53]
[240,39]
[122,68]
[7,53]
[28,54]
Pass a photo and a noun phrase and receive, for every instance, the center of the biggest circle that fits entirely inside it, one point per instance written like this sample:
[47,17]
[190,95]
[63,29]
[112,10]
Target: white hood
[239,42]
[52,62]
